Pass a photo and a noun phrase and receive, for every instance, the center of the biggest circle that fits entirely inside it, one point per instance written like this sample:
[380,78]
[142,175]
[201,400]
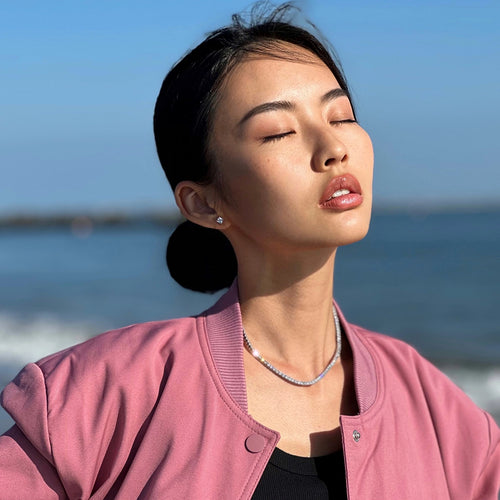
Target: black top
[288,477]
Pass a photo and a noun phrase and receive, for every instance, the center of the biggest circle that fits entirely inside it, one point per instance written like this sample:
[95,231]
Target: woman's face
[296,170]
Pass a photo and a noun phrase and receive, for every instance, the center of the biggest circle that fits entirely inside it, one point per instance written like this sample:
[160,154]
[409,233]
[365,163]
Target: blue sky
[79,81]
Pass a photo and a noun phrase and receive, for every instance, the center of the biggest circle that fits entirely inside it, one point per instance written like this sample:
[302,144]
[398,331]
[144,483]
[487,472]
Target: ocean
[432,280]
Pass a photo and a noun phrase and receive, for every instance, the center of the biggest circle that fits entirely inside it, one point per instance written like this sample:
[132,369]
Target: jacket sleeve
[26,464]
[488,484]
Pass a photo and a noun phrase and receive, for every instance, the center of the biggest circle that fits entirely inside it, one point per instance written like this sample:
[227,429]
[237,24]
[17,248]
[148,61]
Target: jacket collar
[225,338]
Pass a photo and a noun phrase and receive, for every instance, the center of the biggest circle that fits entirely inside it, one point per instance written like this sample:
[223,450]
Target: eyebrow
[266,107]
[289,106]
[333,94]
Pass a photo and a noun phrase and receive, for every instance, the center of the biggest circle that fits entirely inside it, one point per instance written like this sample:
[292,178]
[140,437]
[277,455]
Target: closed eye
[340,122]
[277,137]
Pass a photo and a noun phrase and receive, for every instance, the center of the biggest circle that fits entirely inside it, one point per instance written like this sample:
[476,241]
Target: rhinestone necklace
[256,354]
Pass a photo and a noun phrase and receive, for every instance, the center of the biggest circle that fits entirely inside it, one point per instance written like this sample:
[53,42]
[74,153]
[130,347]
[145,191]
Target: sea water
[431,280]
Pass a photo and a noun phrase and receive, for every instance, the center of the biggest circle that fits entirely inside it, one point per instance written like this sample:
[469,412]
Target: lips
[342,193]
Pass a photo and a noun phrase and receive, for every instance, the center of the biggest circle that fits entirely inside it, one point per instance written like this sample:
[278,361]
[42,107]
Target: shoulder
[393,354]
[107,371]
[88,406]
[409,380]
[384,343]
[123,348]
[112,381]
[414,394]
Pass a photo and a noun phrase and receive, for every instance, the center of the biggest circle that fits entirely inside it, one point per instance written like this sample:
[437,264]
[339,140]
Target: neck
[286,309]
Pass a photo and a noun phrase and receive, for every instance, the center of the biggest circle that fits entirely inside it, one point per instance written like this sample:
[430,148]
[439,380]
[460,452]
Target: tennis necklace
[256,354]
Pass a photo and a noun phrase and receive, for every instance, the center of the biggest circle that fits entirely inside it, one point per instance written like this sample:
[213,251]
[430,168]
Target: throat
[288,378]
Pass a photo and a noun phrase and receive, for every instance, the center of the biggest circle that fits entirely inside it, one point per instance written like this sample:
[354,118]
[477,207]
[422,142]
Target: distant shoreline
[82,219]
[172,218]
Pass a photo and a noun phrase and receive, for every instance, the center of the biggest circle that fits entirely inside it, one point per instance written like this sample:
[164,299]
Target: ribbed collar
[225,338]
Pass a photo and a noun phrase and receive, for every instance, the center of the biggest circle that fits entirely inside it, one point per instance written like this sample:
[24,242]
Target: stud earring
[219,220]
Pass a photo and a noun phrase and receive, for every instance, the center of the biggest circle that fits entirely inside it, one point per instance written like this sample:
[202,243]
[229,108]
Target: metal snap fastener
[356,436]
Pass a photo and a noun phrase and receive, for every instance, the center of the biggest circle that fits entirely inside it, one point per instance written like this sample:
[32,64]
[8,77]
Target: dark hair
[198,258]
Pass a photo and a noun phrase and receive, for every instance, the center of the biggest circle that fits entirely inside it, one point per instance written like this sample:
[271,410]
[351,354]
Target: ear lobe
[195,204]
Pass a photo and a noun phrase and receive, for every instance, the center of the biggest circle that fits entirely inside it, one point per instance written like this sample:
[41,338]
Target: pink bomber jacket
[158,410]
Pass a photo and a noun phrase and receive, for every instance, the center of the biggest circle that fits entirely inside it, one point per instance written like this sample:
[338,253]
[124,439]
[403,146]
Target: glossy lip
[346,201]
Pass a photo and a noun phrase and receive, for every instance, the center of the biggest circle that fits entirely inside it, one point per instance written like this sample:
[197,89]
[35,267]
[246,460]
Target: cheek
[363,152]
[249,189]
[247,177]
[368,147]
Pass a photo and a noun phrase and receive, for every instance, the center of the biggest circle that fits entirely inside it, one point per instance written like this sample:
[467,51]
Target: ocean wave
[481,383]
[23,340]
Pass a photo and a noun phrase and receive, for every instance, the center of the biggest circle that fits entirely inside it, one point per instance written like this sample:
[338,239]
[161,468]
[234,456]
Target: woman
[257,135]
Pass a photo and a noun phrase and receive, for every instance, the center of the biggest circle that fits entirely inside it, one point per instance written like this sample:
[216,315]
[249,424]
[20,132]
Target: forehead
[268,66]
[291,73]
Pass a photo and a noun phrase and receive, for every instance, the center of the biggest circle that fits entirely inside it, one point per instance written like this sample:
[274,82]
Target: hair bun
[200,259]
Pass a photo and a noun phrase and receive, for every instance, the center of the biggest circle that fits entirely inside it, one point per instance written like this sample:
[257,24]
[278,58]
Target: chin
[353,237]
[353,228]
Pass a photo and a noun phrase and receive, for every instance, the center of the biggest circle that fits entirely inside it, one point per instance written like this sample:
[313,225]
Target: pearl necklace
[256,354]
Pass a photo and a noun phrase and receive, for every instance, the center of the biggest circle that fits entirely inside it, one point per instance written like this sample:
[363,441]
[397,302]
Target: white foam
[482,384]
[23,340]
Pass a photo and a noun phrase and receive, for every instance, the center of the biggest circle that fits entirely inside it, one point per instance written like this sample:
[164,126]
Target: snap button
[255,443]
[356,436]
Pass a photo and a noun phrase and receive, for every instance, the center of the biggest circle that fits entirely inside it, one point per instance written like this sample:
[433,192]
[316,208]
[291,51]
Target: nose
[329,150]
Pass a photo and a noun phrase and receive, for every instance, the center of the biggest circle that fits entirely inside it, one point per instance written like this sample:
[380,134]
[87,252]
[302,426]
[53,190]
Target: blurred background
[85,211]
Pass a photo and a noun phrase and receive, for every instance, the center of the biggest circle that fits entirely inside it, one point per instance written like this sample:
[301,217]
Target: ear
[197,204]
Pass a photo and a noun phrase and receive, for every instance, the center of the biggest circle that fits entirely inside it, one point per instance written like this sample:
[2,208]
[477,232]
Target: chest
[307,418]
